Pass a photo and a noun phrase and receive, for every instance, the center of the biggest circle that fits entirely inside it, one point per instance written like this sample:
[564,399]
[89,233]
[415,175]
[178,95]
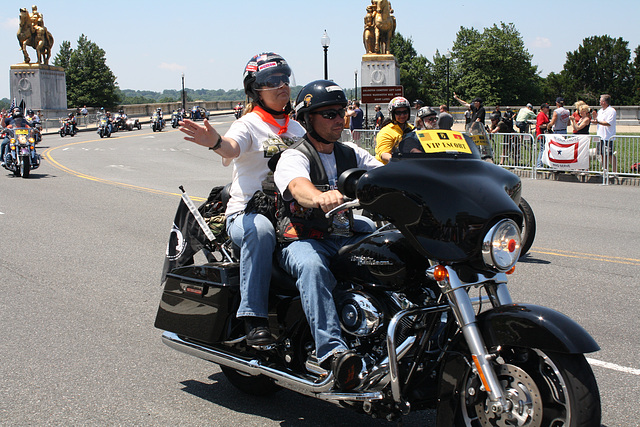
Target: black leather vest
[297,222]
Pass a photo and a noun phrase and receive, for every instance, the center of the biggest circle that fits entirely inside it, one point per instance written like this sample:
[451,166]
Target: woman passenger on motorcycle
[259,134]
[393,128]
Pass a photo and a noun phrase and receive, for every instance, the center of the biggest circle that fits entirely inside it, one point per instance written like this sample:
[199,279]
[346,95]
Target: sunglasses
[331,114]
[431,119]
[275,81]
[402,112]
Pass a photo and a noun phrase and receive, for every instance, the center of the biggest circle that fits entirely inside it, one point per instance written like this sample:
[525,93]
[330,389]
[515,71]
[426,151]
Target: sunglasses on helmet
[331,114]
[274,81]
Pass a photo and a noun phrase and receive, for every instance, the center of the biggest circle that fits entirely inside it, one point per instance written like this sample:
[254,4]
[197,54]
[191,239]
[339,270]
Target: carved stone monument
[41,86]
[379,66]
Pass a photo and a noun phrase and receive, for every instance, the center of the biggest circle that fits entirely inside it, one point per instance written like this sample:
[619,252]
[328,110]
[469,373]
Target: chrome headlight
[501,246]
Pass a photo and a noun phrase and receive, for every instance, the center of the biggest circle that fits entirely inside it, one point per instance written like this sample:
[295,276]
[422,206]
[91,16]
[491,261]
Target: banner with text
[567,153]
[380,94]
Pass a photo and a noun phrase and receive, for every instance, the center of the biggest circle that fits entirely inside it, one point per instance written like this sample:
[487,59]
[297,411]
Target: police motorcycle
[21,158]
[423,300]
[176,118]
[478,133]
[104,128]
[157,122]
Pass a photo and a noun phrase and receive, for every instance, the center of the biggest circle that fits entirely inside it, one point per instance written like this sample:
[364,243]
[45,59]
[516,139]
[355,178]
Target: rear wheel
[541,389]
[257,385]
[529,226]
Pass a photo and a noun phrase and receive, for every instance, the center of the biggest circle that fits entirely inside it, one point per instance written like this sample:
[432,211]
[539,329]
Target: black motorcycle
[176,118]
[21,158]
[104,127]
[424,301]
[157,122]
[68,127]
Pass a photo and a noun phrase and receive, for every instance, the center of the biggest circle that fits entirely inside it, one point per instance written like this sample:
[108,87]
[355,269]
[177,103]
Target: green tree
[415,70]
[63,56]
[494,65]
[600,65]
[89,80]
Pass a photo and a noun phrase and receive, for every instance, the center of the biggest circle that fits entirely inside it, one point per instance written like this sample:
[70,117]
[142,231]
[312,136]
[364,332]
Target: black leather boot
[257,330]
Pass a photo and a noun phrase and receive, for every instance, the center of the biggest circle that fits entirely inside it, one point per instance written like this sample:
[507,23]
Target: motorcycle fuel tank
[384,259]
[442,205]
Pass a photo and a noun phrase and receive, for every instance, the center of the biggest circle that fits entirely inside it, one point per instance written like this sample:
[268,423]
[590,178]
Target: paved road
[80,256]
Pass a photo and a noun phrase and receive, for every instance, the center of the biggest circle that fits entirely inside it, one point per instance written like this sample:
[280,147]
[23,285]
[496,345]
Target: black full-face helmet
[266,71]
[16,112]
[314,95]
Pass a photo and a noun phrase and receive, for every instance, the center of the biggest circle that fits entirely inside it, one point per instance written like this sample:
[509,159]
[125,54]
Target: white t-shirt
[258,142]
[607,115]
[295,164]
[563,118]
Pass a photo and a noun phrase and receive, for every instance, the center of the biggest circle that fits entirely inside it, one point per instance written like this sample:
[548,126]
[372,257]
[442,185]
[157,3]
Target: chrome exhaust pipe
[303,384]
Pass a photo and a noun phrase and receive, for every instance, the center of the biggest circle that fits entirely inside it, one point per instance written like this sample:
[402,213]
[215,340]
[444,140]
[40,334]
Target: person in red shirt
[542,122]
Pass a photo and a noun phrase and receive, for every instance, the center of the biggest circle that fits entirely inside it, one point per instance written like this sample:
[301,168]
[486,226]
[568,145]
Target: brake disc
[522,396]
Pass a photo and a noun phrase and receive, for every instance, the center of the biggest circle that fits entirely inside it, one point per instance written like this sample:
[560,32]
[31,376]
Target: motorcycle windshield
[443,204]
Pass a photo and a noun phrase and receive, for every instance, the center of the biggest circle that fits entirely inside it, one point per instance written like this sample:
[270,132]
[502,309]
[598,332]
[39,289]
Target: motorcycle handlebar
[346,205]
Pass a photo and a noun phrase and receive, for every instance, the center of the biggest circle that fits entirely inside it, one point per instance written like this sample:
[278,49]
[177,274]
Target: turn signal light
[440,273]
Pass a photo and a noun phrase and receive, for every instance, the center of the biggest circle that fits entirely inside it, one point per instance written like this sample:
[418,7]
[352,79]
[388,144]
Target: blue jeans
[256,237]
[308,261]
[4,146]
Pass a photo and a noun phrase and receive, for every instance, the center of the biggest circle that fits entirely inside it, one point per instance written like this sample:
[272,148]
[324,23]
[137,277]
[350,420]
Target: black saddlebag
[198,299]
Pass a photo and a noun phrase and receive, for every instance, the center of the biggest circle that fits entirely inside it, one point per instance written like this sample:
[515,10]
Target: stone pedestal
[379,70]
[42,87]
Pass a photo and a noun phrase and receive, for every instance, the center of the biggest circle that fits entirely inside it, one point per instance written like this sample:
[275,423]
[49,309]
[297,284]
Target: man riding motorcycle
[16,120]
[306,175]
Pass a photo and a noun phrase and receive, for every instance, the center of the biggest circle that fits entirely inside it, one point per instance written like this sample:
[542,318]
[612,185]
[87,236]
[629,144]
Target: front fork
[460,303]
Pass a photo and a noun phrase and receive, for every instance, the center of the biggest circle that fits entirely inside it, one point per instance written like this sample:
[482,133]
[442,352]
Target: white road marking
[613,366]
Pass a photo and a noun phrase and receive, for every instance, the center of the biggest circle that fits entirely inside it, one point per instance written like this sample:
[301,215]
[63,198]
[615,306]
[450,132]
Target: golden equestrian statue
[379,26]
[32,32]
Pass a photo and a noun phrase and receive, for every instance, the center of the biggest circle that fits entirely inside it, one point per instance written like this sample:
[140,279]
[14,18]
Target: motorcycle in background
[36,125]
[67,127]
[237,110]
[157,122]
[21,158]
[104,128]
[176,118]
[424,301]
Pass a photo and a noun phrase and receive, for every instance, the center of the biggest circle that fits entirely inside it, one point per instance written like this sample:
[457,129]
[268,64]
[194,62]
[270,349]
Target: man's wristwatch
[217,144]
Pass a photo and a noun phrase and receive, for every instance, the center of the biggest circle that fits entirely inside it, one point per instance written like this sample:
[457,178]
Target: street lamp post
[448,57]
[324,41]
[184,100]
[356,94]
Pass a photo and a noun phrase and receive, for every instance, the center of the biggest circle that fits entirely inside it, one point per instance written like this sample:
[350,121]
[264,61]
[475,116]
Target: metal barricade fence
[626,150]
[363,138]
[514,150]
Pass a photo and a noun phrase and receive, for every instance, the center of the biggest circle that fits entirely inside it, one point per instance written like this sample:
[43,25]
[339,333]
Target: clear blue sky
[149,44]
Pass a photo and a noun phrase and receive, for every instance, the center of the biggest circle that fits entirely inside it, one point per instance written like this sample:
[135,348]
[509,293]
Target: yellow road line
[580,255]
[47,155]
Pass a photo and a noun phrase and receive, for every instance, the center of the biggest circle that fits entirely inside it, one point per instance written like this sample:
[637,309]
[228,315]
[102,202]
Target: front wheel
[257,385]
[541,389]
[25,167]
[529,226]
